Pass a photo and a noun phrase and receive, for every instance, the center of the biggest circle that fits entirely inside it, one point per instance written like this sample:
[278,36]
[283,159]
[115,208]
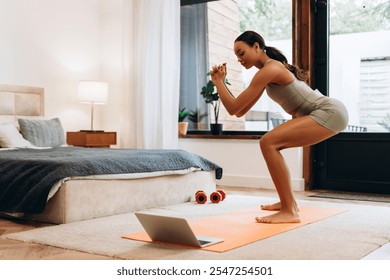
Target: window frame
[303,42]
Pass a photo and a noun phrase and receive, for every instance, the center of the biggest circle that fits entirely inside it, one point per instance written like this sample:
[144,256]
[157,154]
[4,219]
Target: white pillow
[10,137]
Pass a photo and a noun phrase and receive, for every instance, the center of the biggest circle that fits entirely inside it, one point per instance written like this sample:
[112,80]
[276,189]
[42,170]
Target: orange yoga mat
[239,228]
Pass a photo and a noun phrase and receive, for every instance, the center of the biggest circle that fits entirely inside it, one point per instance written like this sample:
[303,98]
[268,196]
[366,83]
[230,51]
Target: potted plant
[212,97]
[183,126]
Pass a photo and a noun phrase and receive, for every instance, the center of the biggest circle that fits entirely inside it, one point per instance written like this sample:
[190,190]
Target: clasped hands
[218,72]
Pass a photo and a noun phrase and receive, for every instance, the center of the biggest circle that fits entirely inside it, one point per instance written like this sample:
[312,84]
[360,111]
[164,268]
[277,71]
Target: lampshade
[93,92]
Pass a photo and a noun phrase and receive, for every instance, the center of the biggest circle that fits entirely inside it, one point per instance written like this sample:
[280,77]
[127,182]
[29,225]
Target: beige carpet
[350,235]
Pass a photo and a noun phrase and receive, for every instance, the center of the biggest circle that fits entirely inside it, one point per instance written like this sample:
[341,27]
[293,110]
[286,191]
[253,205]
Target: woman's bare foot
[274,207]
[271,207]
[280,217]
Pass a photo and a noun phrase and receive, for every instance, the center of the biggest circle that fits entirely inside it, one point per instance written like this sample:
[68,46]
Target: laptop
[174,230]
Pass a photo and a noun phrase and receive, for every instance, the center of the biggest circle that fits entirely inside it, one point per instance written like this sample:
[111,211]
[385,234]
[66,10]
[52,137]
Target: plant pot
[183,126]
[216,128]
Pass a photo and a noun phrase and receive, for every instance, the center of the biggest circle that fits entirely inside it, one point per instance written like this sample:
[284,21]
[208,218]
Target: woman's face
[246,54]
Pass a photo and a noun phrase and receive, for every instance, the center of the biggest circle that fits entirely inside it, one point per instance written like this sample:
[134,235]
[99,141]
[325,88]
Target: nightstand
[91,139]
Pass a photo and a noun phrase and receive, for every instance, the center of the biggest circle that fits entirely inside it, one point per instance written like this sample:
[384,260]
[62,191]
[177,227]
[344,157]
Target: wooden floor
[16,250]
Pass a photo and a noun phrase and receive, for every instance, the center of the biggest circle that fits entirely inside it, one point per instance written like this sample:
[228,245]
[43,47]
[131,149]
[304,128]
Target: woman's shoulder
[268,72]
[273,64]
[281,75]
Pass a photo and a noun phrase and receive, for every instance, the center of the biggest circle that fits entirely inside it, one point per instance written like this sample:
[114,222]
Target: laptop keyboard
[203,242]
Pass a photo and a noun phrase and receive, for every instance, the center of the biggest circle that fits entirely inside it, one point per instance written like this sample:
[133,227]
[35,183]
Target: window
[359,62]
[208,31]
[193,62]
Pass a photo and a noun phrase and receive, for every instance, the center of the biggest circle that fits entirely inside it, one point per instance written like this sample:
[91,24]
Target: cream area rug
[349,235]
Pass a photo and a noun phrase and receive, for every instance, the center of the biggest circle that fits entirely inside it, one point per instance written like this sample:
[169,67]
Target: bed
[42,178]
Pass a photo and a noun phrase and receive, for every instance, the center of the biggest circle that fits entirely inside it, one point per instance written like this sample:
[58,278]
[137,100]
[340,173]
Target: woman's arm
[247,108]
[241,104]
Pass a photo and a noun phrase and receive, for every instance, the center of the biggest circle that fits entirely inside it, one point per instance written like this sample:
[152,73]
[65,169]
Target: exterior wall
[223,28]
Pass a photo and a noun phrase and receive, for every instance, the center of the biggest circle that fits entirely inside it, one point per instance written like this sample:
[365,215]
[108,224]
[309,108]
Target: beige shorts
[328,112]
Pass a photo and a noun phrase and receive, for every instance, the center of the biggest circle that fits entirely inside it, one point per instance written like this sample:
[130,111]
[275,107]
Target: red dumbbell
[217,196]
[200,197]
[222,192]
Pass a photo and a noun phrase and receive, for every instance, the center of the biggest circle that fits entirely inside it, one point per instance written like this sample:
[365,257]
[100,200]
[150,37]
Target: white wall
[242,162]
[54,44]
[111,27]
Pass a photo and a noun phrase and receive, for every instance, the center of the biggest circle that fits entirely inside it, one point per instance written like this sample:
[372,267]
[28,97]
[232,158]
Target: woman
[315,117]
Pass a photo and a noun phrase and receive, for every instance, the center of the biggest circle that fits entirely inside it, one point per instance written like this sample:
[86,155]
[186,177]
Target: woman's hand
[218,73]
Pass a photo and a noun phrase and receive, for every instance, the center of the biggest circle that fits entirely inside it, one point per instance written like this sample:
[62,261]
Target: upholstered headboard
[20,101]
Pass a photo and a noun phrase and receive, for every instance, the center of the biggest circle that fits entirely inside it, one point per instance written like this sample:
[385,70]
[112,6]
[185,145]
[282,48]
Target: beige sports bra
[291,96]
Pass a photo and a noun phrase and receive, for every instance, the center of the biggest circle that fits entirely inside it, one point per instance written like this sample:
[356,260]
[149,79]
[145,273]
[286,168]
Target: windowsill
[205,134]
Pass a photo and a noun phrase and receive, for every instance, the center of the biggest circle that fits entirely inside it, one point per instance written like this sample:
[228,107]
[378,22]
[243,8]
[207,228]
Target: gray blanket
[27,175]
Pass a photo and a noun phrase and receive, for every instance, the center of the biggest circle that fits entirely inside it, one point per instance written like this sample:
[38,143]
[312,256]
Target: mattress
[80,199]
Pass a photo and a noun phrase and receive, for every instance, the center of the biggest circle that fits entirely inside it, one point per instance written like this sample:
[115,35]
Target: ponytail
[251,37]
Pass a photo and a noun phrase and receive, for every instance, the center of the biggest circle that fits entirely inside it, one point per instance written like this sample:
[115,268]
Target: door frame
[304,53]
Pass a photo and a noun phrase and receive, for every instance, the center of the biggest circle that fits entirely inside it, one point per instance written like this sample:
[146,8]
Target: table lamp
[93,93]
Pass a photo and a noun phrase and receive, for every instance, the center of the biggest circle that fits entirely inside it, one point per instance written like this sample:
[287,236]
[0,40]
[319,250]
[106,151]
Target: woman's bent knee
[269,142]
[266,142]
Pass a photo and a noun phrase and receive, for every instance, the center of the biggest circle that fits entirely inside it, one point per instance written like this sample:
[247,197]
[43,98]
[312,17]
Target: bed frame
[85,199]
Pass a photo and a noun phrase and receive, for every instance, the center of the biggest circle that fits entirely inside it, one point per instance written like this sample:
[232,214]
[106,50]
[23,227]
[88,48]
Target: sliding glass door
[353,65]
